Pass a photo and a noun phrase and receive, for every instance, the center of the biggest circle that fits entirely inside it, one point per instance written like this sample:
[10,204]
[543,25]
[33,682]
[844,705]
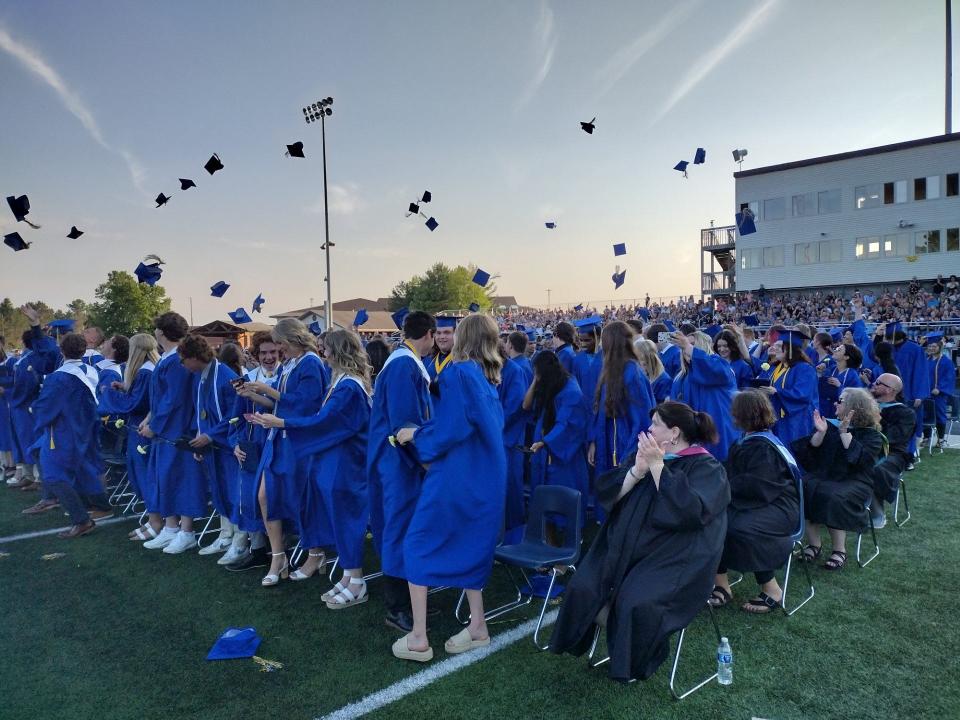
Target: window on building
[926,188]
[750,258]
[867,248]
[868,196]
[805,204]
[899,245]
[806,253]
[773,256]
[828,201]
[953,184]
[933,187]
[928,242]
[953,239]
[774,209]
[920,189]
[753,206]
[831,250]
[895,192]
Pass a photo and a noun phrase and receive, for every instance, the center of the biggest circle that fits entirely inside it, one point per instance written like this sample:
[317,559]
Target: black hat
[588,127]
[15,242]
[186,183]
[295,150]
[213,164]
[432,224]
[162,199]
[74,233]
[20,206]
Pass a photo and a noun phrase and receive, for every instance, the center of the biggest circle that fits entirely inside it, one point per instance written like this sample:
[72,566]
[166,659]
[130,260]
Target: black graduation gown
[899,423]
[653,562]
[838,481]
[764,507]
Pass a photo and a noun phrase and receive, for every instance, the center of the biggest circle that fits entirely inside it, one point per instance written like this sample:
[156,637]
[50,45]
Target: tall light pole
[319,111]
[548,298]
[948,79]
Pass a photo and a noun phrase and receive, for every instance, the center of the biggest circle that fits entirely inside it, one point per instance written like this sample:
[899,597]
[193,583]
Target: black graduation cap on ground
[161,199]
[219,288]
[588,127]
[295,150]
[15,242]
[186,183]
[74,233]
[213,164]
[20,207]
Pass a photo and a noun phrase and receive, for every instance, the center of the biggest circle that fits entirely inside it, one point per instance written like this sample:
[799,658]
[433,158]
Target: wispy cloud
[35,63]
[344,200]
[626,57]
[545,41]
[709,61]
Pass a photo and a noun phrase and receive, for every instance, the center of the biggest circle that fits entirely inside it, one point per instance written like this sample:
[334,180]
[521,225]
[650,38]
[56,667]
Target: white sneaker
[234,554]
[165,537]
[217,546]
[183,542]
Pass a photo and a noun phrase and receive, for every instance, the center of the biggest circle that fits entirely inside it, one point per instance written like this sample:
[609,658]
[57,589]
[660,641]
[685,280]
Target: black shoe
[256,559]
[399,620]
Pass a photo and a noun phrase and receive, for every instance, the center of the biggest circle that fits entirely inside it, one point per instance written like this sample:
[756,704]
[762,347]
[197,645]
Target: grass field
[111,630]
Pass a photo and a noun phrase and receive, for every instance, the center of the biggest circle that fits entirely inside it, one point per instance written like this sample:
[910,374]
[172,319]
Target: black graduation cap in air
[213,164]
[700,157]
[426,197]
[588,127]
[20,206]
[551,225]
[186,183]
[74,233]
[618,277]
[15,242]
[295,150]
[219,288]
[682,167]
[149,271]
[432,224]
[161,199]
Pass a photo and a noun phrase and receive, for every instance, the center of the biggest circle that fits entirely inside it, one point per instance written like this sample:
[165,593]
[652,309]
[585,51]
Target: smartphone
[238,382]
[663,337]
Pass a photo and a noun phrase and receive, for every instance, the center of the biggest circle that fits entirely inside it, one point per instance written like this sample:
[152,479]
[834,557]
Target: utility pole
[948,79]
[548,298]
[319,111]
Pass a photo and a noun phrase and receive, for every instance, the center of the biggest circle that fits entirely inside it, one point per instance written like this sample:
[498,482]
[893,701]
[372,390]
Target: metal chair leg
[786,585]
[876,545]
[738,580]
[906,506]
[593,648]
[519,601]
[676,662]
[543,611]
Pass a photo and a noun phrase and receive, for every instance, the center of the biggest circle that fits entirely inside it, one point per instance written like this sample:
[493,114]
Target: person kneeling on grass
[764,505]
[839,459]
[65,414]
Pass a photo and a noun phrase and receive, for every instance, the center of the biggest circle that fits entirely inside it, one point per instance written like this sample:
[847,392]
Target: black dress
[899,423]
[764,507]
[653,562]
[838,482]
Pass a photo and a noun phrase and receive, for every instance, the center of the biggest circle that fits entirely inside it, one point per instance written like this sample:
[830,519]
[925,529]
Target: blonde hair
[866,412]
[477,338]
[346,355]
[701,341]
[649,358]
[143,348]
[294,332]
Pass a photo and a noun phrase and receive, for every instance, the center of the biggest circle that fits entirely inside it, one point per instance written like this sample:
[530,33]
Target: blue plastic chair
[533,553]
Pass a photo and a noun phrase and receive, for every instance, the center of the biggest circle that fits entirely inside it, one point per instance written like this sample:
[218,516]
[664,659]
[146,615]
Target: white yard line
[420,680]
[54,531]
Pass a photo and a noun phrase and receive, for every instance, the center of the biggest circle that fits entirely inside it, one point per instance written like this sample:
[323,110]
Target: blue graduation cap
[240,316]
[793,337]
[578,308]
[713,330]
[235,643]
[668,324]
[700,157]
[399,316]
[446,321]
[551,225]
[481,278]
[474,307]
[15,242]
[432,224]
[892,328]
[361,317]
[745,223]
[934,337]
[315,328]
[682,167]
[66,324]
[644,313]
[836,334]
[588,325]
[531,335]
[751,320]
[618,278]
[148,274]
[219,288]
[258,302]
[521,328]
[619,249]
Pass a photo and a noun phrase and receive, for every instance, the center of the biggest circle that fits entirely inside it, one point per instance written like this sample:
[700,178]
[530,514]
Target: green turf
[114,631]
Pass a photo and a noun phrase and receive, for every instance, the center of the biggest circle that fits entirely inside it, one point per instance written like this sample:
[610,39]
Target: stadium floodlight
[321,110]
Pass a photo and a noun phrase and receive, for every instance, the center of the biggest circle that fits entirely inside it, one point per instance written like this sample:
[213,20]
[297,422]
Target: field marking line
[42,533]
[422,679]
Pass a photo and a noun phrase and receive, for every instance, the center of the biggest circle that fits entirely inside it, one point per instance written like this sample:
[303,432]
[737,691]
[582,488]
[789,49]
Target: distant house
[378,320]
[219,332]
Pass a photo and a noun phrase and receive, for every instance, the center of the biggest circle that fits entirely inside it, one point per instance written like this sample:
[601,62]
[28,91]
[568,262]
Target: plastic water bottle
[724,663]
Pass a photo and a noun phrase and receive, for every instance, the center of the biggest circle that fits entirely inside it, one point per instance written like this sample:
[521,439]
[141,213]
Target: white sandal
[321,568]
[142,535]
[335,590]
[272,579]
[345,598]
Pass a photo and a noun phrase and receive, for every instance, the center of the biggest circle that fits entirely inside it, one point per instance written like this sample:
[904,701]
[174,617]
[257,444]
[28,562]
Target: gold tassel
[267,665]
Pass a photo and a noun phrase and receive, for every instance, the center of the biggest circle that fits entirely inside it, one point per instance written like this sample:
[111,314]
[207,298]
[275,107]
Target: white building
[864,218]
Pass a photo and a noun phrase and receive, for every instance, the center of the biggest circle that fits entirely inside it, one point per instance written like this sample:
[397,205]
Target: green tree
[442,288]
[125,306]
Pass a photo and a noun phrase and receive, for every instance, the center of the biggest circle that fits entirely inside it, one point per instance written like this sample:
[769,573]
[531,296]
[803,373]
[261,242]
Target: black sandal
[719,597]
[838,563]
[811,553]
[760,605]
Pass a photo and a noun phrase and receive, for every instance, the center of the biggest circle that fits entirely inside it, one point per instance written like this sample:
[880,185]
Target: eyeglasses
[882,384]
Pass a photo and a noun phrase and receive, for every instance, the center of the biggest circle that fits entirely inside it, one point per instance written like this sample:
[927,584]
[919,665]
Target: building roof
[507,300]
[907,145]
[358,303]
[316,310]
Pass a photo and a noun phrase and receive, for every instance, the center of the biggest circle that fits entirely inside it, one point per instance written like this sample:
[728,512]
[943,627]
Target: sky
[107,104]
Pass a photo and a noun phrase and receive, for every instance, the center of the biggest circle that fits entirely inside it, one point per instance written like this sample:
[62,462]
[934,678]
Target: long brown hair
[477,338]
[346,355]
[616,341]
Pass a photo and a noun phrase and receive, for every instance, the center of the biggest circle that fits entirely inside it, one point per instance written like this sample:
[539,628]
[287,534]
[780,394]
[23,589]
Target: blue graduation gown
[6,384]
[65,414]
[134,406]
[215,399]
[175,484]
[670,357]
[246,512]
[796,398]
[524,362]
[709,386]
[336,438]
[943,377]
[861,338]
[458,516]
[401,398]
[91,357]
[911,359]
[563,460]
[28,373]
[616,437]
[513,387]
[830,394]
[566,356]
[661,387]
[302,387]
[586,371]
[743,372]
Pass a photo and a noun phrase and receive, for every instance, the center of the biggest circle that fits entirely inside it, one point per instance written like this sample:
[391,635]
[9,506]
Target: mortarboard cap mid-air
[295,150]
[481,278]
[399,316]
[745,222]
[186,183]
[432,224]
[161,199]
[474,307]
[20,207]
[700,157]
[74,233]
[258,302]
[618,277]
[551,225]
[213,164]
[219,288]
[15,242]
[578,308]
[426,197]
[64,324]
[240,316]
[682,167]
[446,321]
[413,209]
[360,318]
[315,328]
[588,127]
[235,643]
[619,249]
[149,271]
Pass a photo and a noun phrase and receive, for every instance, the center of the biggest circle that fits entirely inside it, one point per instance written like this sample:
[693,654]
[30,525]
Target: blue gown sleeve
[49,404]
[709,369]
[46,350]
[946,376]
[512,391]
[307,395]
[124,403]
[569,430]
[452,423]
[219,430]
[405,403]
[345,414]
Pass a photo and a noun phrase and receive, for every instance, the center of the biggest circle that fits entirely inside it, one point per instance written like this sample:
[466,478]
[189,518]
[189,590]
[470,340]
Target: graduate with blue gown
[440,358]
[563,339]
[588,363]
[794,389]
[912,362]
[511,391]
[943,380]
[844,373]
[6,427]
